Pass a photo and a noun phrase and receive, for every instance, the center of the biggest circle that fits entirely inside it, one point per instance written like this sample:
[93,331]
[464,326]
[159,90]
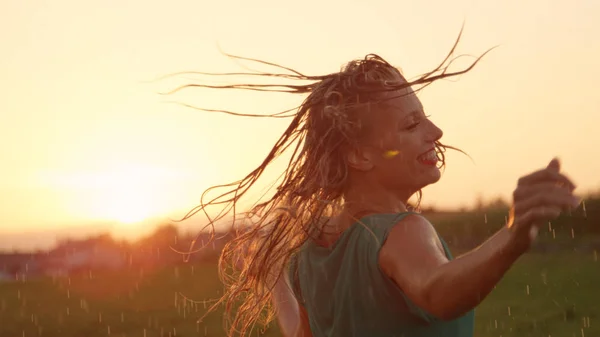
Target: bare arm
[412,258]
[292,317]
[445,289]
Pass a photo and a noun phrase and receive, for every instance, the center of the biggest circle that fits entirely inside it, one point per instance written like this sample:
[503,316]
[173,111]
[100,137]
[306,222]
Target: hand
[538,198]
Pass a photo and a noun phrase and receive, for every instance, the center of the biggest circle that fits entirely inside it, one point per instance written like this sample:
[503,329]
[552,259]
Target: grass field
[549,295]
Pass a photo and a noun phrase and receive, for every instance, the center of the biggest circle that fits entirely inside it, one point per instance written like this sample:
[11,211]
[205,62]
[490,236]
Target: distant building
[73,256]
[15,266]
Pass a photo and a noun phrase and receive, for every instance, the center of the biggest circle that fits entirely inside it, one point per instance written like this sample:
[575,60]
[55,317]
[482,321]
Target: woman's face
[401,140]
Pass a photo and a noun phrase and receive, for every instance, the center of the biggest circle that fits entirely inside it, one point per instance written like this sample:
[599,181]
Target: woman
[336,250]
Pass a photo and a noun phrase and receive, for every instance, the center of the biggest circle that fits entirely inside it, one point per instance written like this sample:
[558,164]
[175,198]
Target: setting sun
[127,205]
[127,194]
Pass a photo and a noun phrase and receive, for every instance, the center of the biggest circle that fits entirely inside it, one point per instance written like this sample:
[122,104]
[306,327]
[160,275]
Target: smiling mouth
[428,158]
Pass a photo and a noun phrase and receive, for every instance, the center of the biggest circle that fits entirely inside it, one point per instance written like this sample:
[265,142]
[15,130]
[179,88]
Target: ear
[360,158]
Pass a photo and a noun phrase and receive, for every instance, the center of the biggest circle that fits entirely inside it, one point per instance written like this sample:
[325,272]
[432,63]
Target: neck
[365,195]
[363,198]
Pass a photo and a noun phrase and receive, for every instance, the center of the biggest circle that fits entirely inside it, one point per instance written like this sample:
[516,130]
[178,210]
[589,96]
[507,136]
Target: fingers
[540,197]
[527,197]
[540,214]
[549,174]
[554,165]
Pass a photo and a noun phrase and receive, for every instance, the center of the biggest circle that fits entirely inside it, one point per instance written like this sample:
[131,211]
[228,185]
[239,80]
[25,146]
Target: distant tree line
[465,230]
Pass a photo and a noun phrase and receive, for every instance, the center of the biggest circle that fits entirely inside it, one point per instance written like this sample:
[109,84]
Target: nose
[434,133]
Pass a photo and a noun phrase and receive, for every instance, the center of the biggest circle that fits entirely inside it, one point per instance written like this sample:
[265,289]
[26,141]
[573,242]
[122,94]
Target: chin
[432,176]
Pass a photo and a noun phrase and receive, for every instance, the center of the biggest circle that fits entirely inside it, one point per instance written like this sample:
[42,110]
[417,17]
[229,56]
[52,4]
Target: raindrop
[553,234]
[549,226]
[122,317]
[485,218]
[109,329]
[595,258]
[584,210]
[68,311]
[192,270]
[100,317]
[496,323]
[544,278]
[144,332]
[68,294]
[508,311]
[572,233]
[528,289]
[19,294]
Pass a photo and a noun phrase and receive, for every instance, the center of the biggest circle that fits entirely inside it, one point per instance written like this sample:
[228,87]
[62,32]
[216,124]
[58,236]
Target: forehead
[402,102]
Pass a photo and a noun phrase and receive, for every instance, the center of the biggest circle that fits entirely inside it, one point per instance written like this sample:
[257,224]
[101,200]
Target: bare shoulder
[411,251]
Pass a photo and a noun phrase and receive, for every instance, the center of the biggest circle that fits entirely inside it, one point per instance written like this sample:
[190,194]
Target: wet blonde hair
[322,128]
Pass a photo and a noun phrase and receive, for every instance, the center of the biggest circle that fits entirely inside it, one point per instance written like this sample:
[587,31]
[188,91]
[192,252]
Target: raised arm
[292,317]
[413,259]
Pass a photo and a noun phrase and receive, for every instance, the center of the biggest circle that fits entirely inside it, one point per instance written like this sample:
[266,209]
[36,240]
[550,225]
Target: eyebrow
[413,113]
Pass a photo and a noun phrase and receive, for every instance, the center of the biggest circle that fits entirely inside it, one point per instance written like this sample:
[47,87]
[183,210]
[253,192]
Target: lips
[428,158]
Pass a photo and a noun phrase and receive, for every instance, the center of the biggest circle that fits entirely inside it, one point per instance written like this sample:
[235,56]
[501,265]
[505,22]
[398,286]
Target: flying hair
[311,188]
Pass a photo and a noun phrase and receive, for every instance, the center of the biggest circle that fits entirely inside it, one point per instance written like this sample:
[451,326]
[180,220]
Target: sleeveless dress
[345,293]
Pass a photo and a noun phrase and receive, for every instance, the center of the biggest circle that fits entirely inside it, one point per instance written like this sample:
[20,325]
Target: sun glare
[128,207]
[125,194]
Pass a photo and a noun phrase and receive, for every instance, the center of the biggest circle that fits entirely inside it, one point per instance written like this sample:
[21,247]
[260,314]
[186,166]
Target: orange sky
[85,139]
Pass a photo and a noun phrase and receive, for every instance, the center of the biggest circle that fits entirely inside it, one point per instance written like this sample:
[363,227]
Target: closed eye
[416,123]
[413,126]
